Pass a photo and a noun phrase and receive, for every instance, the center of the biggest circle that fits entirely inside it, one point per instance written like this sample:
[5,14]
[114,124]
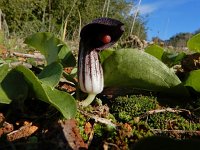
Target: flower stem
[88,100]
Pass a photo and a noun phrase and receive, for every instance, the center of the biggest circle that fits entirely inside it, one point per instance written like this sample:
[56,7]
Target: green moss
[140,130]
[81,120]
[105,131]
[111,117]
[131,110]
[132,125]
[126,108]
[125,116]
[173,121]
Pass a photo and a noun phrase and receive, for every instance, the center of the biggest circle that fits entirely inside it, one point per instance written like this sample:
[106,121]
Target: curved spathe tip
[93,32]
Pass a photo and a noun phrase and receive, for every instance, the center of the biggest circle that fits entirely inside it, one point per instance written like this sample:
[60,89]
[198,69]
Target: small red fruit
[106,39]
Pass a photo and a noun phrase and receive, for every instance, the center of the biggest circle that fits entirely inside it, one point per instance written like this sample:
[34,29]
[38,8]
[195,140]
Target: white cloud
[159,4]
[147,9]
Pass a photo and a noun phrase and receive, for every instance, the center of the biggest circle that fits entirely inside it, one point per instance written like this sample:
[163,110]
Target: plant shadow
[165,143]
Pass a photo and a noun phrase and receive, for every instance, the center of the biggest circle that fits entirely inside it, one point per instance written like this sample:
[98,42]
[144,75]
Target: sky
[166,18]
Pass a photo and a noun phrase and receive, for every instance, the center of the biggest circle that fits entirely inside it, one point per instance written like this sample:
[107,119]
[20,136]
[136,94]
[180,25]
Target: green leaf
[3,71]
[62,101]
[172,59]
[34,83]
[12,87]
[194,43]
[15,86]
[66,57]
[155,51]
[4,99]
[137,69]
[105,54]
[47,44]
[51,74]
[69,77]
[74,72]
[1,61]
[193,80]
[51,47]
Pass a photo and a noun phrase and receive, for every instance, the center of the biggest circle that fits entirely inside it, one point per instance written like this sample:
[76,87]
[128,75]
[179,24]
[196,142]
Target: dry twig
[176,131]
[106,146]
[151,112]
[98,119]
[14,64]
[35,56]
[91,136]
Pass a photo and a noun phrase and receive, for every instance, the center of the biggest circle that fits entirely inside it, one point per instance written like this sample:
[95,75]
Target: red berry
[106,39]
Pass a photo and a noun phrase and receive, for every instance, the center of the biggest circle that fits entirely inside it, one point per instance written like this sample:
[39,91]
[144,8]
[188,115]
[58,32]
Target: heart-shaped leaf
[105,54]
[66,57]
[62,101]
[15,86]
[194,43]
[193,80]
[155,51]
[137,69]
[172,59]
[51,47]
[3,71]
[4,99]
[12,87]
[51,74]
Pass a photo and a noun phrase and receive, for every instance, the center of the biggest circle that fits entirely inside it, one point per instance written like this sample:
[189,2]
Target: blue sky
[169,17]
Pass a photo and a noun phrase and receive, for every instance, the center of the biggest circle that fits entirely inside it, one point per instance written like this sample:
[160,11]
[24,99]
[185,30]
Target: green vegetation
[140,117]
[193,43]
[27,17]
[40,92]
[126,108]
[179,40]
[131,113]
[43,84]
[149,73]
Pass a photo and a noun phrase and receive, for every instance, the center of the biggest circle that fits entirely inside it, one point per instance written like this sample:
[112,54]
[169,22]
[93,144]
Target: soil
[35,125]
